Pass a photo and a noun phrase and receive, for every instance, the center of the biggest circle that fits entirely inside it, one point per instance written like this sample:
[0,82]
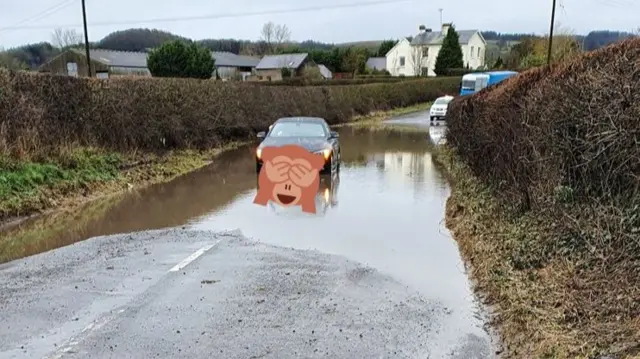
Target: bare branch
[274,36]
[282,35]
[62,38]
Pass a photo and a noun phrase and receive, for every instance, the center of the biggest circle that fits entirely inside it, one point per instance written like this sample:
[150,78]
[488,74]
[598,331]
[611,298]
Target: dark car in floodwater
[311,133]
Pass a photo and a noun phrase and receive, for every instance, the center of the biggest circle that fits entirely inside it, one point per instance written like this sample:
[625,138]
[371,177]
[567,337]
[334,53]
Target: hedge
[40,113]
[333,82]
[559,146]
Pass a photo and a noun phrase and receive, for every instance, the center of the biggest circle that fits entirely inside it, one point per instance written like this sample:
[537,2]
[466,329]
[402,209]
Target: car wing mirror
[261,134]
[334,134]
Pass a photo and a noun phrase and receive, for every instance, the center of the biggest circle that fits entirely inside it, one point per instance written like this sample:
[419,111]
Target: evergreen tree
[450,55]
[181,59]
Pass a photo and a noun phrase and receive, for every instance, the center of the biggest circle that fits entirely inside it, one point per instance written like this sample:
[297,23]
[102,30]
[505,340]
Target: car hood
[309,143]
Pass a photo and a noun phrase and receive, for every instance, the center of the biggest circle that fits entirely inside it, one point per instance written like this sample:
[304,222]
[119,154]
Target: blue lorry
[477,81]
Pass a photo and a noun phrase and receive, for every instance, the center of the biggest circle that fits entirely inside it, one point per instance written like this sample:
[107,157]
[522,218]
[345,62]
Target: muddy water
[384,209]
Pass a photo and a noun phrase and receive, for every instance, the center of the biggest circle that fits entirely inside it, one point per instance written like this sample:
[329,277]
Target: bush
[179,59]
[559,147]
[40,113]
[564,126]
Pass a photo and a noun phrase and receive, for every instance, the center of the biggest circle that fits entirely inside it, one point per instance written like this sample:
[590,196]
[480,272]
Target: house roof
[291,61]
[377,63]
[436,37]
[326,73]
[229,59]
[117,58]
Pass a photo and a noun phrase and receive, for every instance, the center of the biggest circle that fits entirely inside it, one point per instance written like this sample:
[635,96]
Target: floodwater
[384,209]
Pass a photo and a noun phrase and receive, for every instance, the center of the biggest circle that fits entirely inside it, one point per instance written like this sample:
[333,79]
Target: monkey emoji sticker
[289,177]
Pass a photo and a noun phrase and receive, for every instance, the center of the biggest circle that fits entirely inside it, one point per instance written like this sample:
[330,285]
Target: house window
[425,71]
[72,69]
[478,52]
[102,75]
[401,61]
[471,51]
[425,52]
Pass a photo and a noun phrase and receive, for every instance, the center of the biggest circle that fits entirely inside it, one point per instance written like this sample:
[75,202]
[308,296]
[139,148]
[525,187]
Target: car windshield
[468,84]
[442,101]
[297,129]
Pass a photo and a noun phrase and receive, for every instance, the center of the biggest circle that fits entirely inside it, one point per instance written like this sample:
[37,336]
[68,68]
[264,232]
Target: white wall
[395,56]
[430,60]
[473,53]
[474,60]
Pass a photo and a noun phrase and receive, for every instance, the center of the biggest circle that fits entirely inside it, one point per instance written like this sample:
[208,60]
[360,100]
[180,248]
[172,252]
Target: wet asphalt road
[372,275]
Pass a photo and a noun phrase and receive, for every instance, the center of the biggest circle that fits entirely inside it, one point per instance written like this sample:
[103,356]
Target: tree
[498,64]
[354,60]
[274,36]
[63,39]
[416,60]
[450,55]
[181,59]
[385,46]
[8,61]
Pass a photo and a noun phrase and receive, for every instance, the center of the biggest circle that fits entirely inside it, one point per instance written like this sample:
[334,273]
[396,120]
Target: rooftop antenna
[440,16]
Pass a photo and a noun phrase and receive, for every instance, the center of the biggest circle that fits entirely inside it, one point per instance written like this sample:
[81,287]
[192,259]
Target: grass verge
[78,175]
[550,291]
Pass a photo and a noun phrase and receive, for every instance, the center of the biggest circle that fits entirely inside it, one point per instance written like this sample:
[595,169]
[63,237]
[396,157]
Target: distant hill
[372,45]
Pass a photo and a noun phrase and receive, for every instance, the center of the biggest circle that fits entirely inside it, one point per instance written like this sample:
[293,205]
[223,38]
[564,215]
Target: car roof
[302,119]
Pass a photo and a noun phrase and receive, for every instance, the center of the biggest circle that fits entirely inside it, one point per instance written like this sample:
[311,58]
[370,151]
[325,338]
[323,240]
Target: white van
[438,109]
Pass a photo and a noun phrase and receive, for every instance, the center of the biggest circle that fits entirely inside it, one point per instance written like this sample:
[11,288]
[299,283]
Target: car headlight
[326,153]
[259,152]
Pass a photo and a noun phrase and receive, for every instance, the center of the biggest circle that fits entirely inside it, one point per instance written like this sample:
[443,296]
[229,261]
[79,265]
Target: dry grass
[545,304]
[546,204]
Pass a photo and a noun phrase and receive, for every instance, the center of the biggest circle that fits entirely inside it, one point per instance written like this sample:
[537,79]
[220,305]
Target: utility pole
[86,38]
[553,20]
[440,16]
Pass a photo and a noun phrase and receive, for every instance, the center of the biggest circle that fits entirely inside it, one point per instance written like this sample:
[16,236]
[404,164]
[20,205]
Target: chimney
[445,28]
[421,28]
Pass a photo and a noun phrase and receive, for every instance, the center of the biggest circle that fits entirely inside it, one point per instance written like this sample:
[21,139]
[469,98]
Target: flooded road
[385,209]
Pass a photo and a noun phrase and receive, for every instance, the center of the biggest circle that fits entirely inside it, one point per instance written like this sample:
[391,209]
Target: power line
[216,16]
[49,11]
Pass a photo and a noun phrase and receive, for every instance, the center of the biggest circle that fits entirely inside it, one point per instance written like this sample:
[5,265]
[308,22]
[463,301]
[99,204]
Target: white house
[402,59]
[428,43]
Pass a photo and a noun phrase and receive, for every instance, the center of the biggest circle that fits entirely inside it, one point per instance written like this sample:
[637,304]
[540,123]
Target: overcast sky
[23,21]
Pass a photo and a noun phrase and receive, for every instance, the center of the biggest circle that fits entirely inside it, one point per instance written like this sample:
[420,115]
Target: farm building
[376,63]
[271,66]
[232,66]
[325,72]
[104,63]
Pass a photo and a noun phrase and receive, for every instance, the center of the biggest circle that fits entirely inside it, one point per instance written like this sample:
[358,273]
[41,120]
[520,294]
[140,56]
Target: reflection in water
[437,135]
[327,197]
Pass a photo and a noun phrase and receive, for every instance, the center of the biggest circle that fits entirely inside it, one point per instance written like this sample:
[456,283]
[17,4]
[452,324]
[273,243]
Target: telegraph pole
[553,20]
[86,38]
[440,16]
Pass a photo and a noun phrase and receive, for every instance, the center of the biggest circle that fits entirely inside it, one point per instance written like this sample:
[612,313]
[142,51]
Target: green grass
[27,185]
